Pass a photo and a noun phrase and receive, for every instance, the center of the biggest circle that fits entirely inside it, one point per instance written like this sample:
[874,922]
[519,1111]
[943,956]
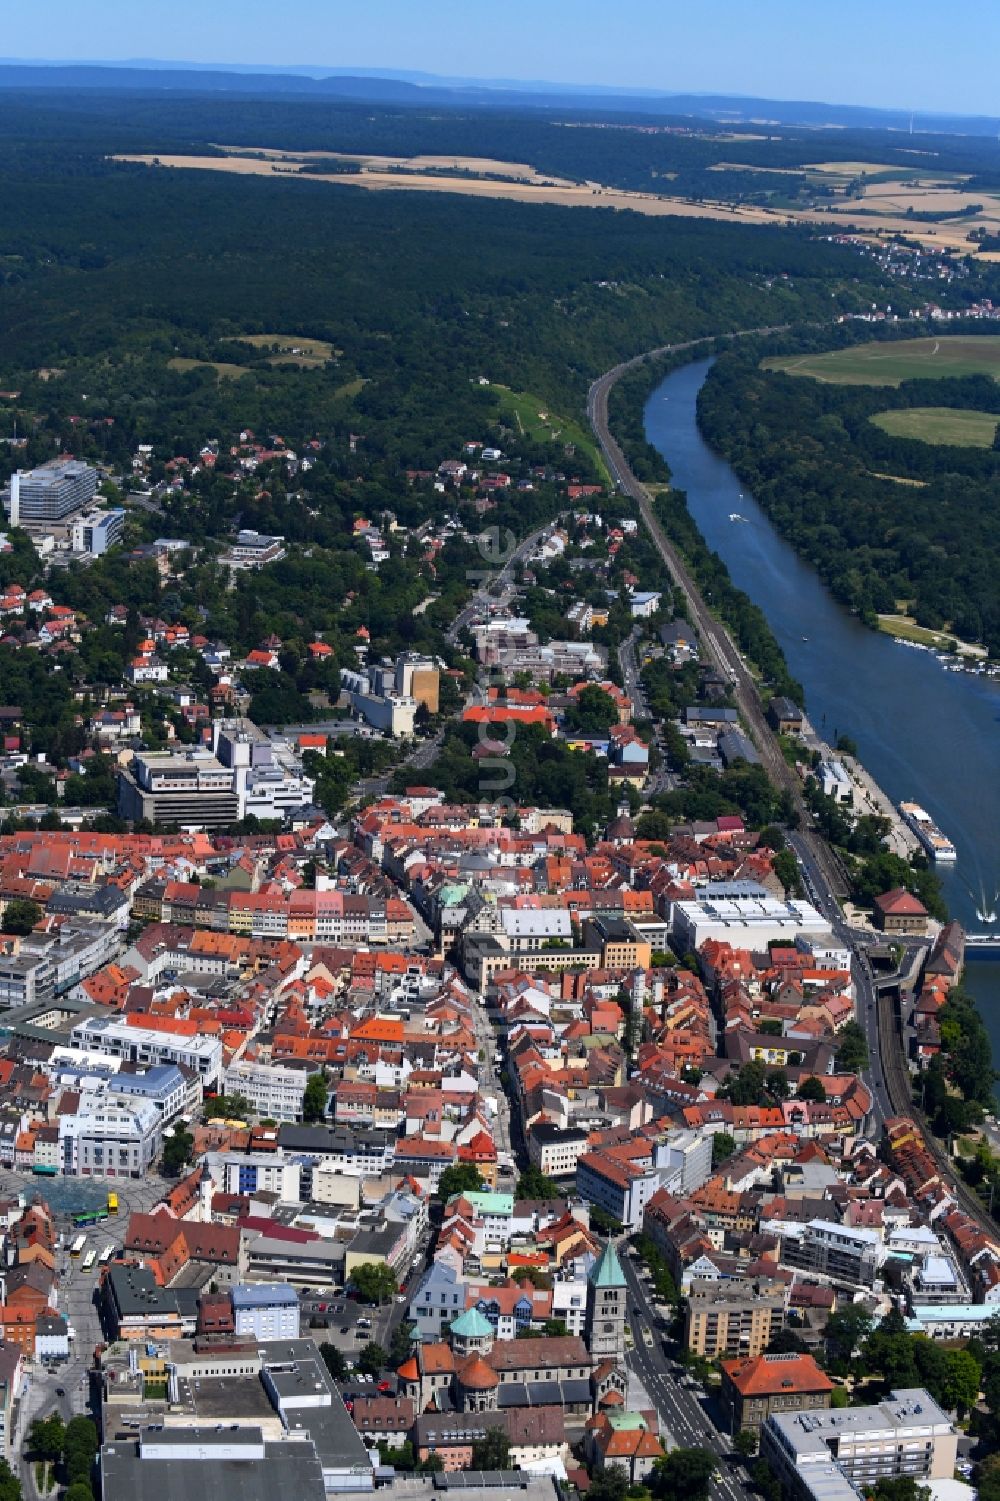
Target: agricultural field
[222,368]
[292,349]
[889,364]
[955,427]
[532,419]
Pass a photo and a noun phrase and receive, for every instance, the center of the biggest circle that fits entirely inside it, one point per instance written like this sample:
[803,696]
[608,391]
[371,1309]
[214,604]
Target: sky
[909,54]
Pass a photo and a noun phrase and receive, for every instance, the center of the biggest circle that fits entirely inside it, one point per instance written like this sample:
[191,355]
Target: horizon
[895,59]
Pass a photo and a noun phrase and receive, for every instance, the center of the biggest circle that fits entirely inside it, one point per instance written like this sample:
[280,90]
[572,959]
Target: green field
[532,418]
[890,364]
[953,426]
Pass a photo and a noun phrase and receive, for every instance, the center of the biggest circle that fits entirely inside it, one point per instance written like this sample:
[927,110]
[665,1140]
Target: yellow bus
[112,1203]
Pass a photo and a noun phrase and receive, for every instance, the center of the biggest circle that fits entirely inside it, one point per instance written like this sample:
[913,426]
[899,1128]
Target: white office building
[274,1092]
[744,914]
[267,1310]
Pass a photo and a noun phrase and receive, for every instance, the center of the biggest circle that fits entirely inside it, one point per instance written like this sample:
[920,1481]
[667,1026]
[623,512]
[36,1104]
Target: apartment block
[738,1318]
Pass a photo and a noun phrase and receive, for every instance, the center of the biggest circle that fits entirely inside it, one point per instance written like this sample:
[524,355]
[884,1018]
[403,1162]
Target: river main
[925,734]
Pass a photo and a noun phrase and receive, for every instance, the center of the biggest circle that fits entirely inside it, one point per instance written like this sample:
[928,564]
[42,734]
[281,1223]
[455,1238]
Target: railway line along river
[925,734]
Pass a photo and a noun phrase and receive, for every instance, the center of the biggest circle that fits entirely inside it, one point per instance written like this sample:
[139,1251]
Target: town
[367,1117]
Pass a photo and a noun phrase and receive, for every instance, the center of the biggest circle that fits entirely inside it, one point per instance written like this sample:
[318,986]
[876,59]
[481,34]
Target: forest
[887,521]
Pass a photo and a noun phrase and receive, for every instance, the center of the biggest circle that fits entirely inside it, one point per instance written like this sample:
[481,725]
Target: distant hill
[391,87]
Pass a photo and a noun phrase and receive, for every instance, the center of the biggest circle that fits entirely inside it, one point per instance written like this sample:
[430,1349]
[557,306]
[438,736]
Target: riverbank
[923,734]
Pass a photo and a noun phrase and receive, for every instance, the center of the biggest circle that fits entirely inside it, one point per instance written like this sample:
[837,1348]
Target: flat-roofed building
[267,1310]
[737,1318]
[832,1455]
[50,493]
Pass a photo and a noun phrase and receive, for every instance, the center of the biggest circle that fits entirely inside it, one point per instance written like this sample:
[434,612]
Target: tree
[78,1491]
[236,1106]
[839,1397]
[554,1328]
[787,1342]
[609,1484]
[45,1437]
[745,1443]
[723,1147]
[374,1282]
[401,1342]
[811,1088]
[10,1486]
[765,1481]
[372,1359]
[900,1488]
[492,1451]
[533,1184]
[962,1378]
[432,1465]
[178,1151]
[683,1472]
[335,1361]
[852,1049]
[315,1098]
[748,1087]
[464,1177]
[20,916]
[80,1445]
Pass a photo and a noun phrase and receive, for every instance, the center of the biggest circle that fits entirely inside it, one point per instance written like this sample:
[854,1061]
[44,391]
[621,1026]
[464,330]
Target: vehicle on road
[107,1253]
[60,1391]
[112,1203]
[88,1260]
[77,1247]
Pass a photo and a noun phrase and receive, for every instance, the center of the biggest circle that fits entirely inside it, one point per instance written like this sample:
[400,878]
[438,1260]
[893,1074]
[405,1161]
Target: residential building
[732,1318]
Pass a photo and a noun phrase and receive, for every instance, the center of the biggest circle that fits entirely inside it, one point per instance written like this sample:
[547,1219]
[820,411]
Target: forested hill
[885,520]
[420,295]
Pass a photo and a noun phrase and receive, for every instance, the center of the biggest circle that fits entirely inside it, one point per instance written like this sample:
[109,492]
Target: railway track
[716,639]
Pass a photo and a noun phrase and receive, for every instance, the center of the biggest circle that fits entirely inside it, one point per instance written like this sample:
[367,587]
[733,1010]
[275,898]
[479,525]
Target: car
[321,1308]
[400,1298]
[60,1391]
[385,1386]
[345,1328]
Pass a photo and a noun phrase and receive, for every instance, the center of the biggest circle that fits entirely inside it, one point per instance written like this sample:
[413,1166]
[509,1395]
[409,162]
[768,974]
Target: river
[925,734]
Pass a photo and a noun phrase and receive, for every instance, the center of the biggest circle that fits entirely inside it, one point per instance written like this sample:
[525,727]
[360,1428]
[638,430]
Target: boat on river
[927,831]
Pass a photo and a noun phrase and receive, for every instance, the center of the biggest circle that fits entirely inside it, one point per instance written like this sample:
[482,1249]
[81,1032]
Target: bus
[91,1217]
[78,1245]
[107,1253]
[112,1203]
[88,1260]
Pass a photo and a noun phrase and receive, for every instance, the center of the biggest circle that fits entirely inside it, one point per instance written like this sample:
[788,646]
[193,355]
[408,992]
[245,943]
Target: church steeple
[607,1306]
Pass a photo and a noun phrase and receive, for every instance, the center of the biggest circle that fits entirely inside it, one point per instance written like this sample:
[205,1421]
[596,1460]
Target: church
[473,1371]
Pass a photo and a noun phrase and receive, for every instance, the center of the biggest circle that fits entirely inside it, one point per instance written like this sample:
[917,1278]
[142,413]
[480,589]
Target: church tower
[607,1307]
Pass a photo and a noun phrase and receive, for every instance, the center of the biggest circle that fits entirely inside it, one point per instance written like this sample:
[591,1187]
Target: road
[630,673]
[716,641]
[495,588]
[683,1412]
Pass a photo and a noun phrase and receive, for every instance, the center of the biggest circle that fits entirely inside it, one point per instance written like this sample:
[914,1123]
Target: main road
[679,1408]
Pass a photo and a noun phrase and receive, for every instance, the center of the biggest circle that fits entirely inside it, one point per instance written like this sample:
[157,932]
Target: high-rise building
[51,492]
[607,1306]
